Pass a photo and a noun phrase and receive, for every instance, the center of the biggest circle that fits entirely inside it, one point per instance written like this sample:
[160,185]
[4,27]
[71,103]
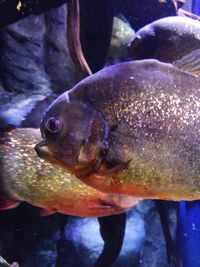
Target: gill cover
[75,133]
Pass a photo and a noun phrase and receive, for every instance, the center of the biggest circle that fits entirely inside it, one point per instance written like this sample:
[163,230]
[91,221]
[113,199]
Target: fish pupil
[53,125]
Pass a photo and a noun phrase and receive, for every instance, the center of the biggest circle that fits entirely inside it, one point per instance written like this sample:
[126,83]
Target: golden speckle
[28,178]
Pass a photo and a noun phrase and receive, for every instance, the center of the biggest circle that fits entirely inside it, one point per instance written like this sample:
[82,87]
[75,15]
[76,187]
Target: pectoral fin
[106,172]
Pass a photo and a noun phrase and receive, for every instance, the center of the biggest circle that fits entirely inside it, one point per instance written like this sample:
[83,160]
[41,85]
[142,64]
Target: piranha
[132,128]
[167,39]
[26,177]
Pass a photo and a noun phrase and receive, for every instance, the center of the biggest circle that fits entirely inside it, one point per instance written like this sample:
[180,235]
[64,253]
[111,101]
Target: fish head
[143,44]
[74,135]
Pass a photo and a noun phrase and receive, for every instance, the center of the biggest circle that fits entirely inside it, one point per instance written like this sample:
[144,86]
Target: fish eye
[53,125]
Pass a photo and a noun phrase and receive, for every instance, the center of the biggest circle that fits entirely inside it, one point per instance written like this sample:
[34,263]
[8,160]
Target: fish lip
[44,153]
[42,143]
[39,148]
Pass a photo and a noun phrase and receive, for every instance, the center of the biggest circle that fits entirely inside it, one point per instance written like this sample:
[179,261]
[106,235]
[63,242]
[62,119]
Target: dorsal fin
[189,63]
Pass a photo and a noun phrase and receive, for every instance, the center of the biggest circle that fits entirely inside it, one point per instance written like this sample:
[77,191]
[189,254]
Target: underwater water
[106,175]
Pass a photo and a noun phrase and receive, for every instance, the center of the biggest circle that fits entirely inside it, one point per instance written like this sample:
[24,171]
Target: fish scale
[154,130]
[26,177]
[167,39]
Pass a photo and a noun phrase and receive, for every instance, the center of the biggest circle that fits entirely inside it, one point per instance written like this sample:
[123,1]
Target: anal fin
[46,212]
[7,203]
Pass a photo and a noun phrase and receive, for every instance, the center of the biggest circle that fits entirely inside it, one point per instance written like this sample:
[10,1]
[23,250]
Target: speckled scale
[26,177]
[156,108]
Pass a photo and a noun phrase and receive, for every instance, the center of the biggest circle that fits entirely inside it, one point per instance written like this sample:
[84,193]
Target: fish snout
[41,149]
[45,153]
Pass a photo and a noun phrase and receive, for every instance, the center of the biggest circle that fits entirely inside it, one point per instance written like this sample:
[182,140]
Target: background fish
[134,127]
[166,39]
[25,177]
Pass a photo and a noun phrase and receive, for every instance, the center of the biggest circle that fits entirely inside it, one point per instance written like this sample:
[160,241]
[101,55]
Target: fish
[167,39]
[132,128]
[26,177]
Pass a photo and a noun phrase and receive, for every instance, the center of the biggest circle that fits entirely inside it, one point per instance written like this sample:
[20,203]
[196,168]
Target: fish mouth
[78,170]
[42,149]
[43,152]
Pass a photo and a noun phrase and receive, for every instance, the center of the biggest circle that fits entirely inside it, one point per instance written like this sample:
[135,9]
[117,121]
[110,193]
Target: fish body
[136,130]
[167,39]
[26,177]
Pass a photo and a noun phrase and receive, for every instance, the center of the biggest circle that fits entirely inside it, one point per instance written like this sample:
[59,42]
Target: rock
[34,55]
[34,64]
[153,252]
[5,96]
[133,241]
[58,64]
[36,238]
[14,112]
[82,238]
[22,56]
[14,10]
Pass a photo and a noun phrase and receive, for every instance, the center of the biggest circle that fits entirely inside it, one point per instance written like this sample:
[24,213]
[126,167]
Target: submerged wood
[73,36]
